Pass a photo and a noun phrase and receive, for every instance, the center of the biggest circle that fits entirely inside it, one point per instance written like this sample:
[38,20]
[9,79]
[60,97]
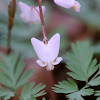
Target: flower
[30,14]
[69,4]
[47,53]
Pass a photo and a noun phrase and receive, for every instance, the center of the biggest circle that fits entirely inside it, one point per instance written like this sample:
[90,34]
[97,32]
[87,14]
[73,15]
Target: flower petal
[29,14]
[35,15]
[76,6]
[53,47]
[40,49]
[42,64]
[58,60]
[65,3]
[25,11]
[24,7]
[50,67]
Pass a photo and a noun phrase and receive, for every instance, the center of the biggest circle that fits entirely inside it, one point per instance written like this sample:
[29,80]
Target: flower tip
[33,40]
[57,35]
[20,3]
[50,68]
[76,6]
[42,64]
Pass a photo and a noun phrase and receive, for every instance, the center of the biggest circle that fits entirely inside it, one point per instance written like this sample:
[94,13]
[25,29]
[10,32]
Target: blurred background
[72,26]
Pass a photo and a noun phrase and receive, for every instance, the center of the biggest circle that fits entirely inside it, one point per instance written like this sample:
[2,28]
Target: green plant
[12,75]
[28,92]
[83,68]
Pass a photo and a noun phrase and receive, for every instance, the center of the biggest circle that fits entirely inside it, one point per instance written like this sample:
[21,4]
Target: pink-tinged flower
[69,4]
[30,14]
[47,53]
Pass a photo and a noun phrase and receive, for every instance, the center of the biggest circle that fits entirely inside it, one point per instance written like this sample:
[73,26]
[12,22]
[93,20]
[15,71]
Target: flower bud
[11,12]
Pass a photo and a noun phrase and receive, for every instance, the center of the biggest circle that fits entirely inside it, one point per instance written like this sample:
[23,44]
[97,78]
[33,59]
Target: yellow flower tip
[50,67]
[76,6]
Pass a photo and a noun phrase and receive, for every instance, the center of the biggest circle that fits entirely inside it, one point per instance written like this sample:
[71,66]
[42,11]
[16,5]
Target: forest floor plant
[80,61]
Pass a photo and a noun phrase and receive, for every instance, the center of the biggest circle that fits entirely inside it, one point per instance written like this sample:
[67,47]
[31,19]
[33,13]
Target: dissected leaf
[97,93]
[12,75]
[92,68]
[65,87]
[71,89]
[86,92]
[78,95]
[79,61]
[24,77]
[43,98]
[75,96]
[95,82]
[30,90]
[7,94]
[32,97]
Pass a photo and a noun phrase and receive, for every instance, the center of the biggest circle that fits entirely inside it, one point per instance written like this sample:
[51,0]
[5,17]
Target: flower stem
[11,14]
[42,22]
[9,39]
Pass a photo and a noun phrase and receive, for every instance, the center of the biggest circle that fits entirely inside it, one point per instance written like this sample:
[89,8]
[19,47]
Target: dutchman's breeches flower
[47,53]
[69,4]
[30,14]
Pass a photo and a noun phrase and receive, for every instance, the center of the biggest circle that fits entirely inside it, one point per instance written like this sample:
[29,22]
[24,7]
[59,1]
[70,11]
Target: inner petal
[49,66]
[57,61]
[76,6]
[41,63]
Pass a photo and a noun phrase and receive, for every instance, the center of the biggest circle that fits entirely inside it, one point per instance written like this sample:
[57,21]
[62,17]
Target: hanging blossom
[69,4]
[47,53]
[30,14]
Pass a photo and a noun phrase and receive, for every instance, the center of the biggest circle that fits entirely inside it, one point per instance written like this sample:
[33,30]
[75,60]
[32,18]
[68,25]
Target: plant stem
[42,22]
[9,39]
[17,61]
[11,15]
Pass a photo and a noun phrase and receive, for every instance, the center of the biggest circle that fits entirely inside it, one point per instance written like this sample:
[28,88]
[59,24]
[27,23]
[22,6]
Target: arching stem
[42,22]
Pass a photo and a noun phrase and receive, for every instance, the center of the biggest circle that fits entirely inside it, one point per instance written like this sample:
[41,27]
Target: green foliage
[78,95]
[32,97]
[70,87]
[30,92]
[97,93]
[12,75]
[80,62]
[84,68]
[6,93]
[95,82]
[43,98]
[65,87]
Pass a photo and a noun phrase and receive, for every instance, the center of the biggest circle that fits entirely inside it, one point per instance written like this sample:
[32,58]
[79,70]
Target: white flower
[69,4]
[47,53]
[29,14]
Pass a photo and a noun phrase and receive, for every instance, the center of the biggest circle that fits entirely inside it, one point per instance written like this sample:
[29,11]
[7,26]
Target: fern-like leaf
[71,89]
[12,75]
[29,91]
[80,62]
